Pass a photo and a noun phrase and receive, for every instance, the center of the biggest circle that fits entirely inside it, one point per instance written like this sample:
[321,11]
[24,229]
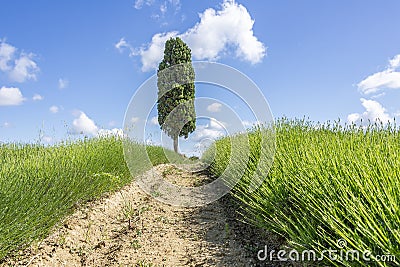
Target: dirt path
[129,228]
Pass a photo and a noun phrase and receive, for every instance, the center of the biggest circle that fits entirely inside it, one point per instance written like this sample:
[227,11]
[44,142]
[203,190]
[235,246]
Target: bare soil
[130,228]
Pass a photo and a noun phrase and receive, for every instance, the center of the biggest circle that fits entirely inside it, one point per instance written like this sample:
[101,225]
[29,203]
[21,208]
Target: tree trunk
[176,144]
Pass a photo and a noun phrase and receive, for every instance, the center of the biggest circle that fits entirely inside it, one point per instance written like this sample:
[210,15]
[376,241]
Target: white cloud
[6,125]
[205,132]
[214,35]
[163,8]
[153,54]
[54,109]
[154,120]
[378,95]
[63,83]
[387,79]
[250,124]
[374,111]
[47,139]
[6,54]
[24,69]
[217,125]
[18,67]
[218,30]
[394,62]
[10,96]
[37,97]
[160,7]
[151,142]
[121,45]
[378,81]
[353,117]
[247,123]
[111,132]
[139,3]
[84,125]
[214,107]
[135,120]
[213,130]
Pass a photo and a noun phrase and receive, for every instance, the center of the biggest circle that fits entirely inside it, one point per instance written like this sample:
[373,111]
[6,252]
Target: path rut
[130,228]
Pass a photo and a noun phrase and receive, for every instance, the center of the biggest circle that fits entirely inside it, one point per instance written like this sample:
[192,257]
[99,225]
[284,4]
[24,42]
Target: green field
[327,182]
[40,185]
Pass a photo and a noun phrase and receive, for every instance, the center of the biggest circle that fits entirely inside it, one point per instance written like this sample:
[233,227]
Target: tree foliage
[176,91]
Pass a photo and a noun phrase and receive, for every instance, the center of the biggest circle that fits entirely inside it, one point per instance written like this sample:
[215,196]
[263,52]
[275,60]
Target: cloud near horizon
[374,112]
[215,35]
[375,86]
[110,132]
[82,124]
[213,130]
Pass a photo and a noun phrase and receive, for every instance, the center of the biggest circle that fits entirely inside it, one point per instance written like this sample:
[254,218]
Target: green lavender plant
[328,182]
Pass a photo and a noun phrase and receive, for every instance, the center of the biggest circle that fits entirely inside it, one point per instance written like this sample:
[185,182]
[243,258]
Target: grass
[327,182]
[159,155]
[40,185]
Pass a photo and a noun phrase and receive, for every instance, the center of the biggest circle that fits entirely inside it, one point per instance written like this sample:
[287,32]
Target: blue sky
[68,67]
